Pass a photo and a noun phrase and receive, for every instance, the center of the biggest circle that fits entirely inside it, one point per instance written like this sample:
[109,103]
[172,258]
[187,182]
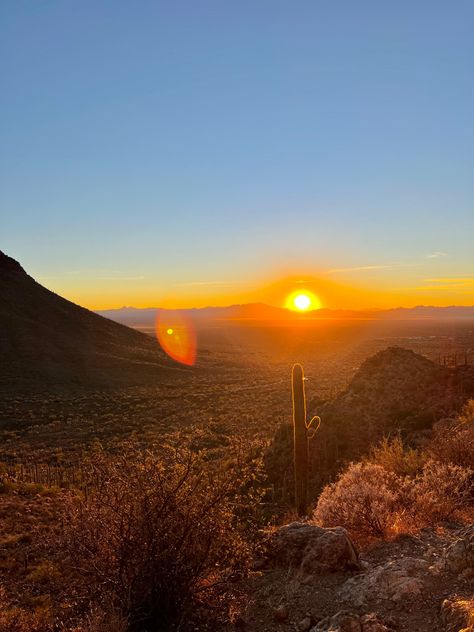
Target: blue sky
[151,147]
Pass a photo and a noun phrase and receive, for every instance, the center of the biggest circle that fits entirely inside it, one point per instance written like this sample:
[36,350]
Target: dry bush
[393,456]
[371,501]
[102,618]
[400,488]
[160,534]
[16,619]
[455,443]
[467,413]
[365,500]
[439,491]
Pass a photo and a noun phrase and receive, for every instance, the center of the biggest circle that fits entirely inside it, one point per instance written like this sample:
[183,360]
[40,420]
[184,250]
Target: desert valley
[77,387]
[236,316]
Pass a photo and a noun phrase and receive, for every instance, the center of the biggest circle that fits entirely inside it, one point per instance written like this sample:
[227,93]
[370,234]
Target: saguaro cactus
[301,436]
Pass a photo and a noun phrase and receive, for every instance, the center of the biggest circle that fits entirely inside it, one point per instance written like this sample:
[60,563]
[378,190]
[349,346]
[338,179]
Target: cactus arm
[314,428]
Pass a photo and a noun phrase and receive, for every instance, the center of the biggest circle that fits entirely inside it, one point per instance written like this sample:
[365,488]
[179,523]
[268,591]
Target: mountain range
[146,317]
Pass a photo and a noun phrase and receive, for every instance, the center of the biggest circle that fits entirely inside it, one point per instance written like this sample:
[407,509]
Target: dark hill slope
[47,341]
[395,389]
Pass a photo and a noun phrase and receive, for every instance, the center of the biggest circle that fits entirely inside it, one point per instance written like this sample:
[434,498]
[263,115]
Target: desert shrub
[364,500]
[467,414]
[16,619]
[393,456]
[45,573]
[439,491]
[102,618]
[6,486]
[454,443]
[161,534]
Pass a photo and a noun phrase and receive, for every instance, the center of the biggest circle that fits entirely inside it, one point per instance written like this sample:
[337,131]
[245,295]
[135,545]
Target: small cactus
[301,436]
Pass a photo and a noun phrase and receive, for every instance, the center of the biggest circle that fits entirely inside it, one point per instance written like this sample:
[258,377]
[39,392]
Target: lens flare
[176,336]
[302,301]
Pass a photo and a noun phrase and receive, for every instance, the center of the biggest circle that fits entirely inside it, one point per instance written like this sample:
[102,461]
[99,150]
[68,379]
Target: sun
[302,301]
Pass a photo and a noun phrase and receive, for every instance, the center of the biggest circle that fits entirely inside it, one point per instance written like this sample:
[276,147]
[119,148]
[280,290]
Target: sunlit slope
[46,340]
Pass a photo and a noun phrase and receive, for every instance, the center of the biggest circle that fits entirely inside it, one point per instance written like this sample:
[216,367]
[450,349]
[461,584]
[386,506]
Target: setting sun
[302,301]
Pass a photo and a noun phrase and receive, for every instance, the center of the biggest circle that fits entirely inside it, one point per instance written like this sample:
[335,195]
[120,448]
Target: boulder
[313,550]
[459,556]
[305,624]
[392,581]
[371,623]
[342,621]
[345,621]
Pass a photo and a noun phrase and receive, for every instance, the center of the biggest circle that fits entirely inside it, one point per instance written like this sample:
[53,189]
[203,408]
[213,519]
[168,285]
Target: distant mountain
[47,341]
[146,317]
[423,311]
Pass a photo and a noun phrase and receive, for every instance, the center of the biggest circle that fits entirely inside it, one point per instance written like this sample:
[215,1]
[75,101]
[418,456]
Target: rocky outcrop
[392,581]
[309,549]
[345,621]
[459,556]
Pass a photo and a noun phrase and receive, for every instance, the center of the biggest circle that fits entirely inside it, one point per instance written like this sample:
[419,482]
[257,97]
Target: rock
[345,621]
[305,624]
[342,621]
[371,623]
[455,614]
[313,550]
[392,581]
[281,613]
[460,555]
[467,573]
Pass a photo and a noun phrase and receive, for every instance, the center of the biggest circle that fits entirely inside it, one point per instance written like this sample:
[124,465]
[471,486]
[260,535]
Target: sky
[190,153]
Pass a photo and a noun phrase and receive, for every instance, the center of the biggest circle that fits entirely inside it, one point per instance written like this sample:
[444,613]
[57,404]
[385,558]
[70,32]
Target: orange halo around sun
[302,301]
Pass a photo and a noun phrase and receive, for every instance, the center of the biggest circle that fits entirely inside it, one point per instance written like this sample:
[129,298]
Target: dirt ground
[271,593]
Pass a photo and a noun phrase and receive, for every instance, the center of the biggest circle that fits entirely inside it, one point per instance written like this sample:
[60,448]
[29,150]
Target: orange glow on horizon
[378,290]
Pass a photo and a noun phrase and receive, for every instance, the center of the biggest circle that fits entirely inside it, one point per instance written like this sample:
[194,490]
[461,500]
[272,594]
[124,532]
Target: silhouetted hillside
[395,389]
[46,340]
